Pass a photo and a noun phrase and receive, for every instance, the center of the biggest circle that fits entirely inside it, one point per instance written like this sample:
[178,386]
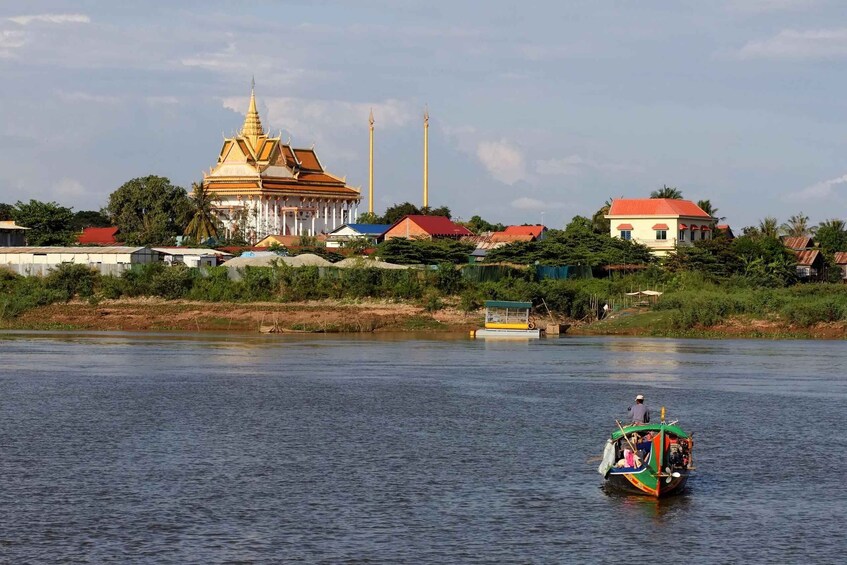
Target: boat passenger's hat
[639,397]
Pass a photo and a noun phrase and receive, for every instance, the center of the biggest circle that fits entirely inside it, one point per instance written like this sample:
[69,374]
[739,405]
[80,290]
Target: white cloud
[798,45]
[764,6]
[526,203]
[301,114]
[567,166]
[576,164]
[67,189]
[818,191]
[9,41]
[51,19]
[79,96]
[503,161]
[326,123]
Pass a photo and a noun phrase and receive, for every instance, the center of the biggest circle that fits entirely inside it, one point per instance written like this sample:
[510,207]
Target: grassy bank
[437,299]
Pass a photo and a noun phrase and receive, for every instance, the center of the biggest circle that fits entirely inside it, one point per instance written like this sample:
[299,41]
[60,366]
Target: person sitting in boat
[639,412]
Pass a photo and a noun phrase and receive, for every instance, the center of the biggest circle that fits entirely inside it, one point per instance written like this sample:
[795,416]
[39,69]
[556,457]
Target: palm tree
[769,227]
[797,226]
[666,191]
[833,224]
[706,206]
[203,224]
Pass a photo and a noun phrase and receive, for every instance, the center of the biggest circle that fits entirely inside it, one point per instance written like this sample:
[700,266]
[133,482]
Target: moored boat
[650,459]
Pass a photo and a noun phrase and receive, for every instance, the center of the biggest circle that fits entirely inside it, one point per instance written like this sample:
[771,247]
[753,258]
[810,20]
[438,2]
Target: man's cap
[639,397]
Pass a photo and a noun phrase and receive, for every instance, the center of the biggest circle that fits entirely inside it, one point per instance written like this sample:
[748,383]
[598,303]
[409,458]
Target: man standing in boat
[639,412]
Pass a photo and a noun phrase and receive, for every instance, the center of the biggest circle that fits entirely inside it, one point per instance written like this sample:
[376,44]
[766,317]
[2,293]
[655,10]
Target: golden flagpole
[371,165]
[426,160]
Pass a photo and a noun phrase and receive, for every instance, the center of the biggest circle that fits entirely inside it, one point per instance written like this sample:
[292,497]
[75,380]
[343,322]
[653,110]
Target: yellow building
[267,187]
[661,224]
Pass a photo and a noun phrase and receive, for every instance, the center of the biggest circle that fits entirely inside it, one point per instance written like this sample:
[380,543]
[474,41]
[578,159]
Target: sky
[539,110]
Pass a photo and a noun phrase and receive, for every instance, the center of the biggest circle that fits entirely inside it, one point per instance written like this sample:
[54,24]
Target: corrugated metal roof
[507,304]
[98,235]
[189,251]
[11,225]
[534,231]
[435,225]
[807,257]
[841,257]
[365,229]
[71,250]
[797,243]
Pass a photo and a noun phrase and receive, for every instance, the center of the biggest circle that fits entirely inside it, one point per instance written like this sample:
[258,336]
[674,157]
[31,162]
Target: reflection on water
[213,448]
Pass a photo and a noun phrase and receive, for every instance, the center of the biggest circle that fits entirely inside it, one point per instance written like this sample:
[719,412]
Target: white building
[192,257]
[108,260]
[661,224]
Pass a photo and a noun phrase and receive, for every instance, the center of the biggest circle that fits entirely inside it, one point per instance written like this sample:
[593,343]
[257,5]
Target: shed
[108,260]
[192,257]
[12,235]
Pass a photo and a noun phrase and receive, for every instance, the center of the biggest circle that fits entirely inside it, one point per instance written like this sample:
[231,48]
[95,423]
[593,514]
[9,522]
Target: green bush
[112,287]
[72,280]
[806,313]
[172,282]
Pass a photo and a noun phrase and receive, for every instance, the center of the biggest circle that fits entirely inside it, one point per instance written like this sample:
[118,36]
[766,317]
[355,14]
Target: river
[135,448]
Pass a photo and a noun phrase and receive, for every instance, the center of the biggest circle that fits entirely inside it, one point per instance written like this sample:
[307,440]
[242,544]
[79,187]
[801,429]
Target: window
[661,234]
[626,234]
[682,235]
[702,235]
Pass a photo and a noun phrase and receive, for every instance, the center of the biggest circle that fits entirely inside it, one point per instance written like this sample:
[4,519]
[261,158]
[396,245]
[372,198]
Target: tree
[477,225]
[369,218]
[599,222]
[5,211]
[797,226]
[706,206]
[765,260]
[440,211]
[49,223]
[768,227]
[831,235]
[666,191]
[150,210]
[203,225]
[397,211]
[89,219]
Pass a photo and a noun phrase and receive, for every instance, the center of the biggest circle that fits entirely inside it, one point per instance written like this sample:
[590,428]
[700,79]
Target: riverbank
[158,314]
[338,316]
[660,323]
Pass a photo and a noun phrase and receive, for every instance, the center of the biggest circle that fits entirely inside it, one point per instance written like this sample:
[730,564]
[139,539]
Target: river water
[132,448]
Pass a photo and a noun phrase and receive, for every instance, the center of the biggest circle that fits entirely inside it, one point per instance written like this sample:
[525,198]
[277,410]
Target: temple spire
[252,127]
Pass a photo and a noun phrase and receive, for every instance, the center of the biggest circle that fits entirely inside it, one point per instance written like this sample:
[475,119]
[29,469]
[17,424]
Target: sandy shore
[142,314]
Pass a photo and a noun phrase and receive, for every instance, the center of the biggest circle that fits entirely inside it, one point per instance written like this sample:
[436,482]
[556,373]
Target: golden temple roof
[252,160]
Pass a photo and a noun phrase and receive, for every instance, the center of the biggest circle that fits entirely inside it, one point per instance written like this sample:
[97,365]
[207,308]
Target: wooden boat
[650,459]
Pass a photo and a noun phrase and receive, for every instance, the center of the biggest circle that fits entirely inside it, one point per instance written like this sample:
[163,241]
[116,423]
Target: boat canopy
[640,428]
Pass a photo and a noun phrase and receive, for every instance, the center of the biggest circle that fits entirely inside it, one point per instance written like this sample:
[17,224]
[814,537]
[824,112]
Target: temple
[266,187]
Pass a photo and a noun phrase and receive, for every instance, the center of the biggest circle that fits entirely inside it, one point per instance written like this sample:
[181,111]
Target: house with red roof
[514,234]
[425,227]
[98,236]
[661,224]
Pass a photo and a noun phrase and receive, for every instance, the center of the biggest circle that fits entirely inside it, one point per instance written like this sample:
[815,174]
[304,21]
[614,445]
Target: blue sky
[546,107]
